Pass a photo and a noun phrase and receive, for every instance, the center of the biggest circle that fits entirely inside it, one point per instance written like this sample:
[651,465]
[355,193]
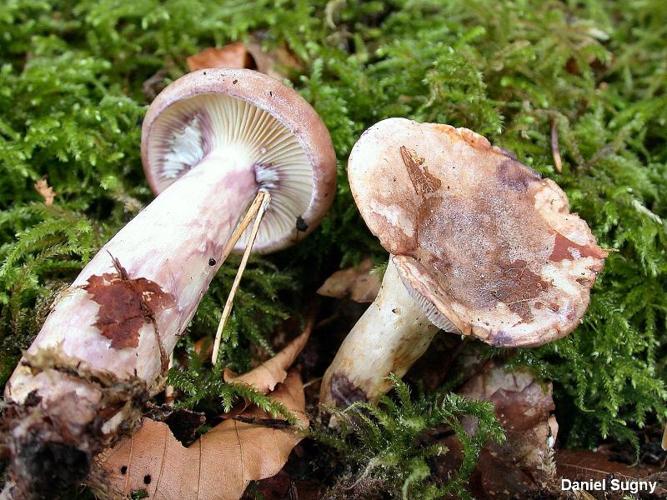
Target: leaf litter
[221,463]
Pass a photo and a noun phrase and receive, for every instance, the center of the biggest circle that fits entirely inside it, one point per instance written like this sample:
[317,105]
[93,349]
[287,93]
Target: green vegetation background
[71,105]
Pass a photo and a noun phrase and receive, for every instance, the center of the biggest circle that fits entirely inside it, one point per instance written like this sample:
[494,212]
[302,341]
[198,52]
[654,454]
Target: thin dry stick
[555,149]
[243,224]
[264,197]
[169,390]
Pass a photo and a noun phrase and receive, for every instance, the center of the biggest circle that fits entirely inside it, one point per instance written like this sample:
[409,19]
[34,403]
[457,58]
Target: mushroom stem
[390,336]
[257,210]
[100,352]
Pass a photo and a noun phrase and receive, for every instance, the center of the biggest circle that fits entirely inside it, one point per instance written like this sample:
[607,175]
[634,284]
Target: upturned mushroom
[480,245]
[214,143]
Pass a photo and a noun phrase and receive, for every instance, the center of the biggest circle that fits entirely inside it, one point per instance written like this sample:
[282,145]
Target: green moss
[71,103]
[389,443]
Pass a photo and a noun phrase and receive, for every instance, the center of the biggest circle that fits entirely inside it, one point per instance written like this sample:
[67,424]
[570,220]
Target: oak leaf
[218,466]
[359,283]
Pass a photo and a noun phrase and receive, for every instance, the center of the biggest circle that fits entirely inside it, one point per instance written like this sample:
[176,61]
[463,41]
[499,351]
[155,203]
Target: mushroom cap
[248,115]
[481,242]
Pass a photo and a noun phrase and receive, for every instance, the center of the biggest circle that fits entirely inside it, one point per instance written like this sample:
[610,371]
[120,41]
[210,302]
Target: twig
[243,224]
[169,391]
[311,382]
[555,149]
[259,207]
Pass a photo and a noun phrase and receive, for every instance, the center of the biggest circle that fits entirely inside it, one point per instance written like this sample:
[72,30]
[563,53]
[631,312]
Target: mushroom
[214,143]
[480,245]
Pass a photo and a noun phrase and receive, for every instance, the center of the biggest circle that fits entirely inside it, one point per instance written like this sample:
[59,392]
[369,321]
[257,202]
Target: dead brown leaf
[218,466]
[358,283]
[248,445]
[46,191]
[234,55]
[276,62]
[125,305]
[249,55]
[524,462]
[272,372]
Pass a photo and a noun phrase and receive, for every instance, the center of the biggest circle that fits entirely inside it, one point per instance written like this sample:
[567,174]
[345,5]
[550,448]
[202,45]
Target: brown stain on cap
[563,248]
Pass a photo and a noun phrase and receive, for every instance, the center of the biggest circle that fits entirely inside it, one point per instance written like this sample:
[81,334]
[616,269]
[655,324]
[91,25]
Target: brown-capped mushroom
[480,245]
[225,135]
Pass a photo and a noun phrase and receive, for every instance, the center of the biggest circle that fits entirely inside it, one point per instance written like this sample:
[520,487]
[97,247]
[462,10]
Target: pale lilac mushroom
[211,142]
[480,245]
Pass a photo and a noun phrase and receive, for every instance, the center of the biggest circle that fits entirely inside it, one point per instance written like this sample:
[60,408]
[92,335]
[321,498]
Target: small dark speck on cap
[301,224]
[211,261]
[123,470]
[271,93]
[147,479]
[235,82]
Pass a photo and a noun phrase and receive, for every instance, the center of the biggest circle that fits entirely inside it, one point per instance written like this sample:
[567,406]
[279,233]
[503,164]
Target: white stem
[390,336]
[178,244]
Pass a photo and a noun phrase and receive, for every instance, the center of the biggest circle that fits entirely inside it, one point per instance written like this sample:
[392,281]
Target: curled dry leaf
[249,55]
[218,466]
[524,462]
[358,283]
[272,372]
[42,187]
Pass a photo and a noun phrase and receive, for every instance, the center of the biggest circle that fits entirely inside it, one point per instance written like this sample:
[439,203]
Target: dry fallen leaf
[359,283]
[274,62]
[234,55]
[218,466]
[125,305]
[523,407]
[221,463]
[46,191]
[524,462]
[266,376]
[251,56]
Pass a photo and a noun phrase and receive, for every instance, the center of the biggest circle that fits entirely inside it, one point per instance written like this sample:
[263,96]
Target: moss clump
[387,447]
[593,72]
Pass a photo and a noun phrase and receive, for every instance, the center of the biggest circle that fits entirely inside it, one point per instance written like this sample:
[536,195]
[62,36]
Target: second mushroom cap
[480,240]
